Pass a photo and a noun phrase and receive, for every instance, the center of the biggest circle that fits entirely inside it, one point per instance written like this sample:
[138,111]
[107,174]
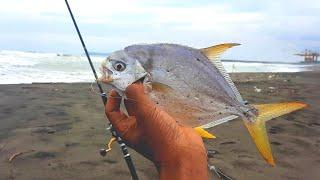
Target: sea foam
[18,67]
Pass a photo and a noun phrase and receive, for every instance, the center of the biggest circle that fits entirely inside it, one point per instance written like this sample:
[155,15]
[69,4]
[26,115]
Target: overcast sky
[268,30]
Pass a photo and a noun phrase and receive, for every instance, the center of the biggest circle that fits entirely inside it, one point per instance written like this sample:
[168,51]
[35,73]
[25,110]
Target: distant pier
[309,56]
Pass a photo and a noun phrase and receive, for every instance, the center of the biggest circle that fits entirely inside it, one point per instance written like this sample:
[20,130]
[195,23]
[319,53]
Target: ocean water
[18,67]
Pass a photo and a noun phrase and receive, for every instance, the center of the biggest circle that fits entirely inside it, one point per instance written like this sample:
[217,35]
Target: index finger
[112,108]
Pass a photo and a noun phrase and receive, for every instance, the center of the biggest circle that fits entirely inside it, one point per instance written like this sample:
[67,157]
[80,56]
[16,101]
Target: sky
[267,30]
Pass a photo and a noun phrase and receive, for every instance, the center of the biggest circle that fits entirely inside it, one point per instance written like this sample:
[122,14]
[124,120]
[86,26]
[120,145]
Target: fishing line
[124,149]
[93,90]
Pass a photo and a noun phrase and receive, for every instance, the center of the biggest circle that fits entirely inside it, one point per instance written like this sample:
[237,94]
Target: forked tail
[257,129]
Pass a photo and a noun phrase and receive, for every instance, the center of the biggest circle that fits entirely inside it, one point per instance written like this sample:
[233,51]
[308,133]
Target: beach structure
[309,56]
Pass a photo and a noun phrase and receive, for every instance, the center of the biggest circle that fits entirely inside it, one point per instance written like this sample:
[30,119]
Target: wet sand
[61,127]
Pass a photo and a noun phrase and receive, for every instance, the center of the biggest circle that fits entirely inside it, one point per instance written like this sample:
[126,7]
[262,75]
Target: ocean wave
[27,67]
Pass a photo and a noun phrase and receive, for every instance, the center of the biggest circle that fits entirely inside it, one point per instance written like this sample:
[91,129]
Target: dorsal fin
[213,53]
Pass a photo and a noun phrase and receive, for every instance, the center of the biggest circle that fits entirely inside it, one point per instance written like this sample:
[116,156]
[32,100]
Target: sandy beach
[61,127]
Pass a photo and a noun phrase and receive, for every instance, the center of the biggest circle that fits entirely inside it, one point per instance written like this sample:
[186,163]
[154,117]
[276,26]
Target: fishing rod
[120,141]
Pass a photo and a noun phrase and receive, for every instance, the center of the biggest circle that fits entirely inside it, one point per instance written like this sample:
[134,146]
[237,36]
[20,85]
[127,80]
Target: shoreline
[234,75]
[64,124]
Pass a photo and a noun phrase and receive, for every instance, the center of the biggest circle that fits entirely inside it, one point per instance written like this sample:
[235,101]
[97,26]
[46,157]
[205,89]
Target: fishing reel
[103,151]
[108,147]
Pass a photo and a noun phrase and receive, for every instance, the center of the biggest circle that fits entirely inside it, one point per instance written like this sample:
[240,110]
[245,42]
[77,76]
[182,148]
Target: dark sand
[65,126]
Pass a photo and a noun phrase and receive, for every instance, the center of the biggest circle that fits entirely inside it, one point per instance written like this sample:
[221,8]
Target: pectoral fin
[203,133]
[257,129]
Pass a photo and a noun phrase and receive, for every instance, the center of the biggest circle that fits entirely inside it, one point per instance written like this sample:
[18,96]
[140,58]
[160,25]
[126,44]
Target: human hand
[176,150]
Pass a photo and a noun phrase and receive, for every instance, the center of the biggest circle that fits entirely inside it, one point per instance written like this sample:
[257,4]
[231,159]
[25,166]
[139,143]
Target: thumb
[138,102]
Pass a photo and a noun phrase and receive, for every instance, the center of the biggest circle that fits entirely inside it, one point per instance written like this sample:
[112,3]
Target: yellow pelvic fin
[203,133]
[257,129]
[214,52]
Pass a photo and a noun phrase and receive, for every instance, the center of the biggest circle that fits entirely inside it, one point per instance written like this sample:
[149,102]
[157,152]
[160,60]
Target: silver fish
[192,86]
[183,80]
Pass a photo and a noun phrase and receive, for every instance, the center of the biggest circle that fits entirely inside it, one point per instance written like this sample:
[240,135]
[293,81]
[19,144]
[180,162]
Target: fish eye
[119,66]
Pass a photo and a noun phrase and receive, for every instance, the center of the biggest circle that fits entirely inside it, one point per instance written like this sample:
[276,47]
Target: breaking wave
[18,67]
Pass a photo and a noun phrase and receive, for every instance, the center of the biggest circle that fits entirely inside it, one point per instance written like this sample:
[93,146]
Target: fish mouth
[105,79]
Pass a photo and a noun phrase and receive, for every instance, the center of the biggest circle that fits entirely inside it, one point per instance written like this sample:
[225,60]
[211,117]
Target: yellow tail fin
[203,133]
[257,128]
